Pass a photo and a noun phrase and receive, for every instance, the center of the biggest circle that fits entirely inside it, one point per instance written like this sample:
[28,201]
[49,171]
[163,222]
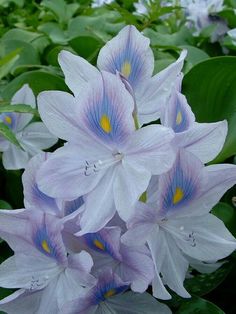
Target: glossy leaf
[199,306]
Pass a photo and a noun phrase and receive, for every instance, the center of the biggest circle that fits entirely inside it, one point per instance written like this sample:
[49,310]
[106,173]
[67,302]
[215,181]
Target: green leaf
[198,306]
[227,214]
[5,205]
[8,62]
[194,56]
[54,32]
[18,108]
[38,80]
[27,53]
[210,88]
[86,46]
[8,134]
[201,284]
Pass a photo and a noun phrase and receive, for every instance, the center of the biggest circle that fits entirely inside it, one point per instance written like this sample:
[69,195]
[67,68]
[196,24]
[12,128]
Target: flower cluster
[125,203]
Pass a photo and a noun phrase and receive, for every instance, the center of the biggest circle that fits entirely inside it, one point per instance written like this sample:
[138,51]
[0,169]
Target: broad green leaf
[54,32]
[202,284]
[210,88]
[7,63]
[38,80]
[5,205]
[27,53]
[227,214]
[197,305]
[86,46]
[194,56]
[8,134]
[182,37]
[18,108]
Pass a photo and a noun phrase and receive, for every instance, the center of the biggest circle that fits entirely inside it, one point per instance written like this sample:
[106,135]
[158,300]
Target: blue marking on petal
[105,120]
[71,206]
[9,119]
[107,290]
[180,190]
[96,242]
[181,121]
[41,197]
[44,243]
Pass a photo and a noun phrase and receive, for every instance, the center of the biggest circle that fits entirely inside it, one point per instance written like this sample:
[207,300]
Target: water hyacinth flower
[204,140]
[46,275]
[129,55]
[176,222]
[105,160]
[33,137]
[108,297]
[203,13]
[132,264]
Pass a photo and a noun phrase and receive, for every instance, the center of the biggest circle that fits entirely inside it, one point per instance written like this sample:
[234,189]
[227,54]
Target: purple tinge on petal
[107,109]
[182,183]
[106,241]
[109,284]
[72,206]
[46,236]
[130,54]
[9,119]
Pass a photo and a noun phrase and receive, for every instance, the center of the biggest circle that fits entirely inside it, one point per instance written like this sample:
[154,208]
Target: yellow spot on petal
[126,69]
[99,245]
[109,293]
[8,119]
[178,196]
[105,123]
[179,118]
[45,246]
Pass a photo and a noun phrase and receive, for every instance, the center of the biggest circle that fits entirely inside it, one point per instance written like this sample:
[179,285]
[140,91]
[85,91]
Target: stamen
[94,167]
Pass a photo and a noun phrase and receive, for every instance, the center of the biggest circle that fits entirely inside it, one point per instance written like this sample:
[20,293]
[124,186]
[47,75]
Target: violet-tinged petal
[150,148]
[130,54]
[181,185]
[75,165]
[104,210]
[77,71]
[203,238]
[153,95]
[14,158]
[105,110]
[169,261]
[130,303]
[23,96]
[178,114]
[35,137]
[204,140]
[105,241]
[136,267]
[130,182]
[217,180]
[33,197]
[58,111]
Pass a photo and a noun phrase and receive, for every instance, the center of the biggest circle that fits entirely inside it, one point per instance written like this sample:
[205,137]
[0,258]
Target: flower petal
[36,137]
[203,238]
[23,96]
[204,140]
[128,53]
[153,95]
[105,110]
[14,158]
[77,71]
[74,165]
[104,210]
[33,197]
[169,261]
[150,149]
[58,111]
